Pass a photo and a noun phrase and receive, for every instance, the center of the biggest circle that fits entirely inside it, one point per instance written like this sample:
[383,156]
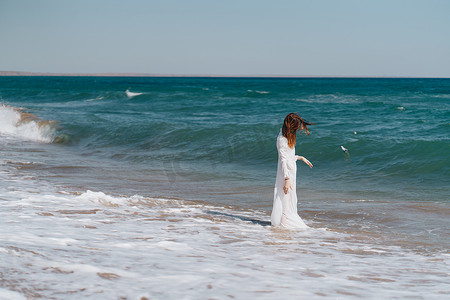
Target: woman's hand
[305,161]
[287,186]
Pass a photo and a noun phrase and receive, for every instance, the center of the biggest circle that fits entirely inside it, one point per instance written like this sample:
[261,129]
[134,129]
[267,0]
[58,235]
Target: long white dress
[284,212]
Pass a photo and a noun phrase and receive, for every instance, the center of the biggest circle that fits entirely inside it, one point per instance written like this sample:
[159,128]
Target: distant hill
[16,73]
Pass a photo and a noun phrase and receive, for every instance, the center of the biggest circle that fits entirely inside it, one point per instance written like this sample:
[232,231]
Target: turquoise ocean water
[208,144]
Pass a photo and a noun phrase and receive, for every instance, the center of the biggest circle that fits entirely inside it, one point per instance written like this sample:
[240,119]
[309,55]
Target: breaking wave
[132,94]
[14,122]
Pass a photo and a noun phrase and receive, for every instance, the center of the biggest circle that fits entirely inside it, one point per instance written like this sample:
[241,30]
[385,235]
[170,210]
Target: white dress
[284,212]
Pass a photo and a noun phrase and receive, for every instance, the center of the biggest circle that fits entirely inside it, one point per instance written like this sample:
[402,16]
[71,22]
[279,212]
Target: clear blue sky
[227,37]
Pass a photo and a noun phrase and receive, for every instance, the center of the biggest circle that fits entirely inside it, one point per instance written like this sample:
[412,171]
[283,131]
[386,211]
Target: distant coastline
[48,74]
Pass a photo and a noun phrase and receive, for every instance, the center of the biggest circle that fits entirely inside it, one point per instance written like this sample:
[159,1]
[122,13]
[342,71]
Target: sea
[162,188]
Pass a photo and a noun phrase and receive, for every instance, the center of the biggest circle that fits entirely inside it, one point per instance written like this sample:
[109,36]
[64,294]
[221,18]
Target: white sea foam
[132,94]
[101,198]
[258,92]
[330,98]
[55,243]
[10,295]
[95,99]
[446,96]
[95,245]
[15,123]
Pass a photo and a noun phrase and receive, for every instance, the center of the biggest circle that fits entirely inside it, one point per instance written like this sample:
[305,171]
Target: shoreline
[50,74]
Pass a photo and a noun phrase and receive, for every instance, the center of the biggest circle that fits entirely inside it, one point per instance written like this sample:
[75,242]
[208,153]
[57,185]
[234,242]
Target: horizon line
[114,74]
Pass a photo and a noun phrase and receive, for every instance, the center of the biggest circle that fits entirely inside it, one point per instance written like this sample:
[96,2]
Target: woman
[284,212]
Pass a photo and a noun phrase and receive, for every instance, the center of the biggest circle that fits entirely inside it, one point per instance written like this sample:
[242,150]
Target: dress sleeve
[283,153]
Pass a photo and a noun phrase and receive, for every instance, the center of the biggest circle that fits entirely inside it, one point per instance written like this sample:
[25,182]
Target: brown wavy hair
[291,124]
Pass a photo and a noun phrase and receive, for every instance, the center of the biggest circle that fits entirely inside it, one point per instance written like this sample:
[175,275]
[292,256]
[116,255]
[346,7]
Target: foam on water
[18,124]
[132,94]
[10,295]
[93,245]
[258,92]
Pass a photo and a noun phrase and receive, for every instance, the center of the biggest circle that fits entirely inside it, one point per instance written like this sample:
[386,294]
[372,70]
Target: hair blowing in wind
[291,124]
